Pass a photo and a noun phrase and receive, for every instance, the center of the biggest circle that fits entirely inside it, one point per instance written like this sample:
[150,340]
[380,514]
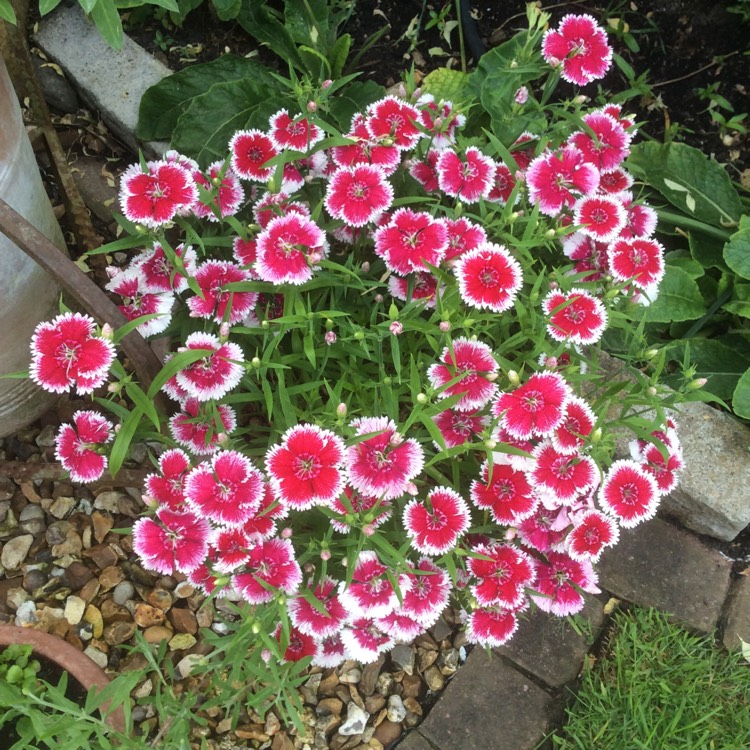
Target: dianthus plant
[384,366]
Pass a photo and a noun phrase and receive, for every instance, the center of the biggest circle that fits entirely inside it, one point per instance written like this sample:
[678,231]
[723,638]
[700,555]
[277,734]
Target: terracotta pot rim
[68,658]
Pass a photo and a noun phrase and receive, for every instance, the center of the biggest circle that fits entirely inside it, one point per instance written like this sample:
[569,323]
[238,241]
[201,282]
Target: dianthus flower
[556,179]
[423,287]
[425,171]
[216,373]
[272,565]
[640,260]
[297,133]
[370,592]
[358,195]
[575,427]
[488,277]
[228,192]
[428,593]
[153,198]
[491,626]
[218,301]
[364,641]
[411,239]
[435,524]
[561,477]
[576,316]
[393,119]
[591,533]
[463,236]
[78,446]
[65,352]
[138,302]
[355,507]
[629,492]
[249,150]
[601,217]
[459,427]
[559,583]
[502,571]
[365,149]
[467,179]
[309,619]
[580,47]
[505,492]
[167,487]
[198,426]
[608,146]
[159,273]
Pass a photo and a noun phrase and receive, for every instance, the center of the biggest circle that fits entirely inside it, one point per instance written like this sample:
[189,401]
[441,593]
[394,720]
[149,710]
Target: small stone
[144,689]
[89,590]
[32,520]
[370,675]
[281,741]
[441,630]
[157,633]
[33,579]
[145,615]
[77,575]
[7,488]
[386,684]
[411,686]
[396,710]
[97,656]
[204,617]
[94,617]
[329,706]
[25,614]
[62,507]
[375,744]
[30,493]
[413,706]
[309,690]
[251,732]
[374,703]
[448,662]
[387,732]
[110,577]
[426,659]
[71,545]
[434,679]
[189,663]
[184,590]
[328,684]
[160,599]
[15,551]
[103,555]
[356,720]
[182,642]
[183,620]
[327,725]
[272,724]
[46,436]
[108,501]
[103,524]
[351,676]
[118,632]
[112,612]
[74,609]
[402,658]
[124,591]
[224,725]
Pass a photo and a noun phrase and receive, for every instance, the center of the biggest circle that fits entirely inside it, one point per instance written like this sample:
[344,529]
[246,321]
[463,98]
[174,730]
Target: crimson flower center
[599,216]
[436,519]
[488,276]
[357,190]
[306,466]
[628,493]
[532,401]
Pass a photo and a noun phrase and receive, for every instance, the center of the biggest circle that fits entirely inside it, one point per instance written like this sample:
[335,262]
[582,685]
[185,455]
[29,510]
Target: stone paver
[415,741]
[713,496]
[489,705]
[663,566]
[114,87]
[737,615]
[550,648]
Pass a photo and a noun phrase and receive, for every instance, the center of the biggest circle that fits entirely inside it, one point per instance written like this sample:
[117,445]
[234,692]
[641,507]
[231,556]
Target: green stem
[700,226]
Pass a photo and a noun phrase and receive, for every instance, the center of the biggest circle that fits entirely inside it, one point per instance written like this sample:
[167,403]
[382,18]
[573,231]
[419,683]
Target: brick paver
[663,566]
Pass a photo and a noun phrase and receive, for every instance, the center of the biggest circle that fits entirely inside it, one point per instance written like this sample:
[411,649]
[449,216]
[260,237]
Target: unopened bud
[651,391]
[422,398]
[651,353]
[412,489]
[378,298]
[325,554]
[224,329]
[222,438]
[444,326]
[510,535]
[107,332]
[286,532]
[596,435]
[330,337]
[550,234]
[326,84]
[551,363]
[359,335]
[396,328]
[365,266]
[490,444]
[255,362]
[694,385]
[113,387]
[255,628]
[368,530]
[341,410]
[216,181]
[491,377]
[513,378]
[312,107]
[265,653]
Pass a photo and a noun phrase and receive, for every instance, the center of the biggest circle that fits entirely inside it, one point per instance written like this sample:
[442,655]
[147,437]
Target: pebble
[145,615]
[118,632]
[329,706]
[386,684]
[62,507]
[89,590]
[93,616]
[103,523]
[183,620]
[97,656]
[160,599]
[15,551]
[109,501]
[74,609]
[26,614]
[351,676]
[32,520]
[402,658]
[188,664]
[113,612]
[387,732]
[103,555]
[182,642]
[157,633]
[46,436]
[123,592]
[396,711]
[184,590]
[441,630]
[71,545]
[356,720]
[110,577]
[77,575]
[434,679]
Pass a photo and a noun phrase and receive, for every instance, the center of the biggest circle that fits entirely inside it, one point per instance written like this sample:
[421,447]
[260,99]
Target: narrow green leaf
[107,21]
[140,399]
[6,12]
[124,437]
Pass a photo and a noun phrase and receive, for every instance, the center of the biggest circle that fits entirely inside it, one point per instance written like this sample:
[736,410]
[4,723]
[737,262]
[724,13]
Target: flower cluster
[398,275]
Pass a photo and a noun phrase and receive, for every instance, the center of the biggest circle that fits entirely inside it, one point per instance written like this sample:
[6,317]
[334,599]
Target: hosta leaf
[741,396]
[688,179]
[447,84]
[679,299]
[737,250]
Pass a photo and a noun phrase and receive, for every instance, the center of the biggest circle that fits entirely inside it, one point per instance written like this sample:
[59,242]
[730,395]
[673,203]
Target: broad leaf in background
[691,182]
[354,97]
[447,84]
[737,250]
[163,103]
[741,396]
[211,119]
[679,298]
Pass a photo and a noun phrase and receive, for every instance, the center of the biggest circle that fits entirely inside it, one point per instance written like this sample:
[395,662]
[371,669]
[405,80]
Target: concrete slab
[737,615]
[663,566]
[109,80]
[488,704]
[551,648]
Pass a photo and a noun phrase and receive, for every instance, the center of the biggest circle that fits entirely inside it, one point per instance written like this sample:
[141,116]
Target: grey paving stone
[551,648]
[737,615]
[489,705]
[661,565]
[414,741]
[713,496]
[108,80]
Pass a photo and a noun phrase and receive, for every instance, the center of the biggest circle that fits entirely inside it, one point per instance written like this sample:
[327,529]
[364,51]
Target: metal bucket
[27,294]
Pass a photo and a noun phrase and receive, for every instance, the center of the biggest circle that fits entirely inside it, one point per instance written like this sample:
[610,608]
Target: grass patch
[657,687]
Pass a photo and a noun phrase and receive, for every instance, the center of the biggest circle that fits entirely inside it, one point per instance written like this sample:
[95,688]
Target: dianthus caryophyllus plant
[384,365]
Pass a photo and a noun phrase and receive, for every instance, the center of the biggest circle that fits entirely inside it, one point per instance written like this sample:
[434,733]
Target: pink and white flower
[198,426]
[424,171]
[298,133]
[563,476]
[473,363]
[576,316]
[467,179]
[503,184]
[488,277]
[629,492]
[218,301]
[411,239]
[272,565]
[423,287]
[329,652]
[383,464]
[138,302]
[175,540]
[165,270]
[370,593]
[249,150]
[580,46]
[308,618]
[503,572]
[154,197]
[232,548]
[639,260]
[393,119]
[534,408]
[226,193]
[491,626]
[608,146]
[664,470]
[505,492]
[217,372]
[228,490]
[355,507]
[556,179]
[575,428]
[601,217]
[289,249]
[591,533]
[435,524]
[428,593]
[365,149]
[559,583]
[306,467]
[463,236]
[167,487]
[459,427]
[364,641]
[79,446]
[358,195]
[65,352]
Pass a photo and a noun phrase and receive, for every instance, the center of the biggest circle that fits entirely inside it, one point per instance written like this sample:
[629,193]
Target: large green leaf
[227,10]
[708,251]
[163,103]
[107,21]
[444,83]
[740,302]
[720,364]
[354,97]
[737,250]
[268,28]
[688,179]
[206,126]
[741,396]
[679,299]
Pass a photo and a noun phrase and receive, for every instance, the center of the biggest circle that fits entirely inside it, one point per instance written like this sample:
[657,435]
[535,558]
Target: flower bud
[491,377]
[387,380]
[326,84]
[330,337]
[396,328]
[651,391]
[651,353]
[694,385]
[411,489]
[325,554]
[255,628]
[107,332]
[378,298]
[265,653]
[341,410]
[224,329]
[396,439]
[312,107]
[514,378]
[444,326]
[550,363]
[510,535]
[522,95]
[596,435]
[365,267]
[550,234]
[422,398]
[359,335]
[265,324]
[222,439]
[368,530]
[255,362]
[286,532]
[401,90]
[490,444]
[113,387]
